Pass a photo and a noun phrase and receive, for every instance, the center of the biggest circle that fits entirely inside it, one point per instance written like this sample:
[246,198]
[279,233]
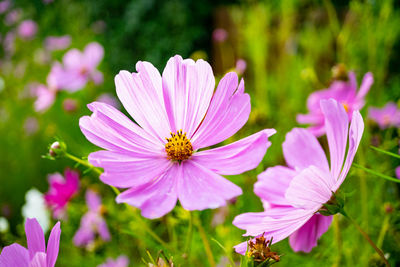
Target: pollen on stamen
[178,147]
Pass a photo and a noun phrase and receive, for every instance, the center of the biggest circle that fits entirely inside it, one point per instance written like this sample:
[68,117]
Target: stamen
[178,147]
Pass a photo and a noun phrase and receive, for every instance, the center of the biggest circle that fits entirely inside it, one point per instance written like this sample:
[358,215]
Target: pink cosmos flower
[345,92]
[178,113]
[241,66]
[80,67]
[4,5]
[53,43]
[387,116]
[296,193]
[121,261]
[36,254]
[92,222]
[61,191]
[27,29]
[220,35]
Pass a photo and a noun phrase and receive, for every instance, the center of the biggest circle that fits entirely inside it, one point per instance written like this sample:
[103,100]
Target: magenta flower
[345,92]
[92,222]
[385,117]
[27,29]
[178,113]
[61,191]
[121,261]
[296,193]
[53,43]
[36,255]
[80,67]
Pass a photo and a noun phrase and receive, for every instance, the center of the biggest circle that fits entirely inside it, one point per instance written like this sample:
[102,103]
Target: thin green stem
[369,240]
[385,152]
[226,252]
[189,235]
[382,233]
[83,163]
[206,244]
[338,240]
[377,173]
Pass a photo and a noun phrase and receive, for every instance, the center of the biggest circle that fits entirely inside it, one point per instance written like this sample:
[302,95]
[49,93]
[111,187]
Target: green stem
[377,173]
[385,152]
[338,240]
[205,242]
[83,162]
[369,240]
[385,227]
[189,235]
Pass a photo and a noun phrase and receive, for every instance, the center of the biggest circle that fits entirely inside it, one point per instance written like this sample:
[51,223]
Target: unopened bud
[57,149]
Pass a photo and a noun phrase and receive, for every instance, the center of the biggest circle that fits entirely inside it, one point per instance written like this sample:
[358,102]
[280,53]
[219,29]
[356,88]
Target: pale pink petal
[14,255]
[108,128]
[200,188]
[355,134]
[93,200]
[45,98]
[306,237]
[93,54]
[228,112]
[72,59]
[141,95]
[272,184]
[102,229]
[336,126]
[34,237]
[39,260]
[97,77]
[310,189]
[366,84]
[241,248]
[188,87]
[238,157]
[122,170]
[53,245]
[302,149]
[156,198]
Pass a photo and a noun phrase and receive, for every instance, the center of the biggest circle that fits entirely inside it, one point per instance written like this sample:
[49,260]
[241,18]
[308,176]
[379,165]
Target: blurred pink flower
[220,35]
[121,261]
[61,190]
[388,116]
[92,222]
[80,67]
[70,105]
[345,92]
[240,66]
[27,29]
[178,113]
[4,6]
[109,100]
[398,172]
[9,43]
[31,125]
[36,255]
[45,98]
[296,193]
[12,17]
[52,43]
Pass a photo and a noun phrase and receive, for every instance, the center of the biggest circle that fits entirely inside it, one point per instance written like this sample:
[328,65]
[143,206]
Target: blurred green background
[289,48]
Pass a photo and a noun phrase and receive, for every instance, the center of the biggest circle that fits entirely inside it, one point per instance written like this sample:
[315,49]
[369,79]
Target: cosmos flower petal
[306,237]
[366,84]
[310,189]
[238,157]
[34,237]
[302,149]
[199,188]
[188,87]
[123,170]
[103,229]
[14,255]
[39,260]
[93,200]
[273,183]
[72,58]
[141,95]
[336,126]
[93,54]
[53,245]
[156,198]
[356,132]
[228,112]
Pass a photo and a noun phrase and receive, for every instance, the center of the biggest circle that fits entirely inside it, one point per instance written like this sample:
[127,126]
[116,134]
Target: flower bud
[57,149]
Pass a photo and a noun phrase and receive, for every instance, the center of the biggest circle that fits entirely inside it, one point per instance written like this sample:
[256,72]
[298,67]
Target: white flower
[3,225]
[35,208]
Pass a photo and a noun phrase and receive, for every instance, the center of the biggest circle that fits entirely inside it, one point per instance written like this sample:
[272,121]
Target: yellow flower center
[346,107]
[178,147]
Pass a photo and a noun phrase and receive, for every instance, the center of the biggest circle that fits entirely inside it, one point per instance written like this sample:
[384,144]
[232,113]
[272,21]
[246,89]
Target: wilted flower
[388,116]
[297,194]
[35,207]
[345,92]
[121,261]
[27,29]
[260,251]
[52,43]
[36,255]
[61,190]
[80,67]
[178,114]
[219,35]
[92,222]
